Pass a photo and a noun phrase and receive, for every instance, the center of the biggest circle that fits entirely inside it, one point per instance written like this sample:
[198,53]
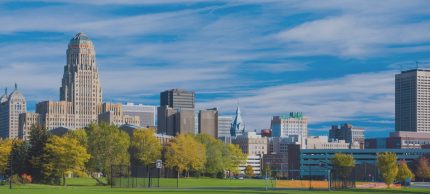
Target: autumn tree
[235,158]
[184,153]
[422,168]
[146,146]
[387,165]
[404,172]
[249,171]
[343,164]
[80,135]
[5,150]
[107,146]
[65,155]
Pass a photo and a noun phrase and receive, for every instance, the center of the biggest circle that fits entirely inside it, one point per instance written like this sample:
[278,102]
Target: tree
[5,150]
[20,157]
[38,138]
[249,171]
[184,153]
[216,151]
[146,146]
[387,165]
[235,158]
[422,168]
[65,155]
[343,164]
[404,172]
[80,135]
[107,146]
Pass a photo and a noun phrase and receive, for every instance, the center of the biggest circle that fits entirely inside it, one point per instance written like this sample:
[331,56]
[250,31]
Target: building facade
[412,92]
[208,122]
[224,125]
[400,140]
[293,124]
[177,98]
[11,107]
[348,133]
[146,113]
[255,147]
[322,142]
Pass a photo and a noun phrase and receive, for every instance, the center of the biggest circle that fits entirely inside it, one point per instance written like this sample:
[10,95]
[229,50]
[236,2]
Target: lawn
[192,185]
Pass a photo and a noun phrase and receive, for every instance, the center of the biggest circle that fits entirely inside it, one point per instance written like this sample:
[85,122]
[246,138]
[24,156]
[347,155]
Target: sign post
[159,165]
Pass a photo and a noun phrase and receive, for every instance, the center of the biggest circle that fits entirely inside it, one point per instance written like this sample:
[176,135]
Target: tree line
[48,158]
[390,169]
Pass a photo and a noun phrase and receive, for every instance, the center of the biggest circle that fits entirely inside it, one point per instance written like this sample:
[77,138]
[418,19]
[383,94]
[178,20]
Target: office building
[321,142]
[208,122]
[237,126]
[293,124]
[348,133]
[11,106]
[255,147]
[146,113]
[176,98]
[412,92]
[224,125]
[279,145]
[399,140]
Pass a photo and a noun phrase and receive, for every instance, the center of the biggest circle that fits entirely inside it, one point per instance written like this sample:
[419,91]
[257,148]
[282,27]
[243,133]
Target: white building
[293,124]
[255,147]
[146,113]
[321,142]
[224,125]
[10,108]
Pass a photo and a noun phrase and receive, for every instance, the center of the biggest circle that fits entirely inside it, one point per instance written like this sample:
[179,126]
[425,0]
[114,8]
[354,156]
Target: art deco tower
[81,83]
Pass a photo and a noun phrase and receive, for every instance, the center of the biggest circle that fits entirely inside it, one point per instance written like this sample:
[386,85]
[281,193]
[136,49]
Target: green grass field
[191,185]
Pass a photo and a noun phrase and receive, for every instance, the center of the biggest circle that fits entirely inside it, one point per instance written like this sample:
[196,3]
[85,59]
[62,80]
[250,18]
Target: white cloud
[333,100]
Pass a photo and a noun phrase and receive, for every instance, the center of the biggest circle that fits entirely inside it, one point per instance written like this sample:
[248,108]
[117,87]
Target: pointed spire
[16,86]
[5,91]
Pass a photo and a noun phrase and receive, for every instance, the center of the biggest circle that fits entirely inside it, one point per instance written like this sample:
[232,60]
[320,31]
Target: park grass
[190,185]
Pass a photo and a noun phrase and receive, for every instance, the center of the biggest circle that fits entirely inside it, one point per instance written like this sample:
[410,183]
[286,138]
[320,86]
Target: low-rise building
[255,147]
[321,142]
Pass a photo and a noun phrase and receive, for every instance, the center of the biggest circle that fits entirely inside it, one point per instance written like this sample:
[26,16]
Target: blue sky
[333,60]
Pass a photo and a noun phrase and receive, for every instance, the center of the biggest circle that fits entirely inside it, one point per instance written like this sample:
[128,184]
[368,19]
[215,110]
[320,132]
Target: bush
[26,178]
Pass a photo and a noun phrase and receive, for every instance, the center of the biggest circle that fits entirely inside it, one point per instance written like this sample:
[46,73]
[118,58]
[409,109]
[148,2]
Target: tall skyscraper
[237,126]
[176,112]
[412,100]
[146,113]
[10,108]
[80,95]
[81,82]
[177,98]
[293,124]
[208,122]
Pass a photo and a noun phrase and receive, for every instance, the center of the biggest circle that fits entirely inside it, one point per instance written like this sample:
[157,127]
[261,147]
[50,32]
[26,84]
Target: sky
[335,61]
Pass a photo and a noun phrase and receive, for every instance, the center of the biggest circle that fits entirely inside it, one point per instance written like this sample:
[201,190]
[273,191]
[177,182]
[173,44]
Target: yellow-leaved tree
[5,149]
[184,153]
[145,146]
[387,165]
[65,154]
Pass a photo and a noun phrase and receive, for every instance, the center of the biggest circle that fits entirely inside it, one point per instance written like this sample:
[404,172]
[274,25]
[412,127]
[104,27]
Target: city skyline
[269,66]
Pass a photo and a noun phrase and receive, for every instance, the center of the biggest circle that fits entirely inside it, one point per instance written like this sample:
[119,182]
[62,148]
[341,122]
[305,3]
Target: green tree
[216,151]
[38,139]
[235,158]
[422,169]
[387,165]
[249,171]
[404,172]
[5,150]
[343,164]
[107,146]
[65,155]
[184,153]
[20,159]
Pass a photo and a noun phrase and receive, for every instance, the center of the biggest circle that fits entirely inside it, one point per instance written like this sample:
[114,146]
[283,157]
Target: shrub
[26,178]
